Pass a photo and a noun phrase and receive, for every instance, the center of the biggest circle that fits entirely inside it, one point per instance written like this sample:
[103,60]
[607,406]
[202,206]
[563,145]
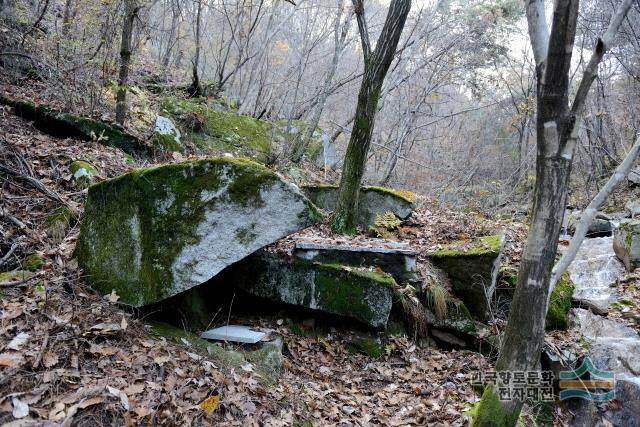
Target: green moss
[508,277]
[70,125]
[490,413]
[484,246]
[341,289]
[237,133]
[166,143]
[560,304]
[407,196]
[58,222]
[33,262]
[246,235]
[459,318]
[15,276]
[83,172]
[369,346]
[156,205]
[227,360]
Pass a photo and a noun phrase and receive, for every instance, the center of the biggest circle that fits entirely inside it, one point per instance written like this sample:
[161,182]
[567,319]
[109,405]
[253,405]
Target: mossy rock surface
[166,136]
[156,232]
[560,303]
[626,244]
[67,125]
[16,276]
[472,268]
[83,173]
[214,130]
[361,294]
[373,202]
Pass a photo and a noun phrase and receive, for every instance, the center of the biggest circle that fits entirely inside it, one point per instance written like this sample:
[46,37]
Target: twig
[34,183]
[38,358]
[8,254]
[21,225]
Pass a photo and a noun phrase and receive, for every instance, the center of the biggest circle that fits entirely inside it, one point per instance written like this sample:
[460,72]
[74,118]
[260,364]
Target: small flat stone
[235,333]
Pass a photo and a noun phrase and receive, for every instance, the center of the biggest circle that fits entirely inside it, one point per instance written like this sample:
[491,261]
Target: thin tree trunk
[557,131]
[130,11]
[376,65]
[196,88]
[339,36]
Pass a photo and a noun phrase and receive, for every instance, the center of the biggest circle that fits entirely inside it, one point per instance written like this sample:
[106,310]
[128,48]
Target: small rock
[83,173]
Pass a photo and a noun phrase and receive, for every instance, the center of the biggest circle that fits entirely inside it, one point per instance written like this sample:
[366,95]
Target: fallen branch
[8,254]
[33,183]
[21,225]
[590,213]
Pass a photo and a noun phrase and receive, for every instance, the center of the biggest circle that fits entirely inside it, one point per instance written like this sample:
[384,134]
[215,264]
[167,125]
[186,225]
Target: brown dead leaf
[11,359]
[50,359]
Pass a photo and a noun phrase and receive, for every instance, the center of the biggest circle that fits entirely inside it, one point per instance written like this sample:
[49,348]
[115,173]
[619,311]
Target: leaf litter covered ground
[71,357]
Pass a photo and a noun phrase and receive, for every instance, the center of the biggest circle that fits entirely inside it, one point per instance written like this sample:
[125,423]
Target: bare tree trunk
[339,37]
[557,130]
[130,11]
[376,65]
[196,88]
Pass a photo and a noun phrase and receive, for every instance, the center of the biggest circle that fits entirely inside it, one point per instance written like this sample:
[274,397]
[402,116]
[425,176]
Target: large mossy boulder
[359,293]
[156,232]
[626,244]
[374,201]
[67,125]
[212,130]
[472,268]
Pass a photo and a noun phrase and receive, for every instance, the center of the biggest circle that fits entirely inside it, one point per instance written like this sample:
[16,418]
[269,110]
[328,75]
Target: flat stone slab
[234,333]
[593,271]
[373,201]
[157,232]
[362,294]
[395,258]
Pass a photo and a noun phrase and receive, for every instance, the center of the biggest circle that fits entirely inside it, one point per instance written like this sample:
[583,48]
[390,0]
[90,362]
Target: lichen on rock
[156,232]
[373,202]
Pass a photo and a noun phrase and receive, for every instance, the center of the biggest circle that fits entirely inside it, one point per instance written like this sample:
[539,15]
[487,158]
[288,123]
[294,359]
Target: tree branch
[358,9]
[589,214]
[538,30]
[33,183]
[603,44]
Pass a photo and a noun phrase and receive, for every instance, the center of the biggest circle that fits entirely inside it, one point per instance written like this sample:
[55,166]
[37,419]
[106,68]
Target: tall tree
[557,130]
[196,87]
[376,65]
[340,31]
[131,9]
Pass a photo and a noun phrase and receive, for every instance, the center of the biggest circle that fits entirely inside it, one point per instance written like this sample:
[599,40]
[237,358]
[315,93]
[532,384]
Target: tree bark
[557,132]
[376,65]
[130,11]
[196,88]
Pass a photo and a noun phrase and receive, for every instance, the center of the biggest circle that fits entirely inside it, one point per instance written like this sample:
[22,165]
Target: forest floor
[71,357]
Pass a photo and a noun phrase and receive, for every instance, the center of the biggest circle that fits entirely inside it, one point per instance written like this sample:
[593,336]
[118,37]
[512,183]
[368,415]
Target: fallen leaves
[210,404]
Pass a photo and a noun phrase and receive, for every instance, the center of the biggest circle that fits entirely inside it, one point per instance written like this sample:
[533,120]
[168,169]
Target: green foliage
[369,346]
